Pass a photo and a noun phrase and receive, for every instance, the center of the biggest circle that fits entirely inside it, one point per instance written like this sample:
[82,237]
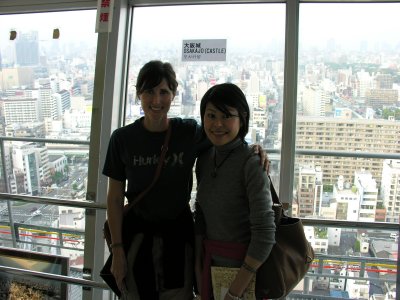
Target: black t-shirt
[133,155]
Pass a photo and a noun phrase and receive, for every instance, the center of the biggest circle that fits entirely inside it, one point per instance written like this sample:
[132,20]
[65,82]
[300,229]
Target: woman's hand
[229,296]
[119,268]
[264,161]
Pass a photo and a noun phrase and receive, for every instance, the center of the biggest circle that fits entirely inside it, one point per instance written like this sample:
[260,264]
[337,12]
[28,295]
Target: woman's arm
[115,204]
[244,276]
[262,225]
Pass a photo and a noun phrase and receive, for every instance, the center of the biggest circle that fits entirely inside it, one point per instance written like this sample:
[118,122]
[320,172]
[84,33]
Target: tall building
[384,81]
[343,77]
[30,167]
[309,191]
[314,101]
[20,110]
[379,98]
[260,118]
[391,189]
[253,101]
[50,107]
[364,83]
[16,77]
[202,88]
[254,84]
[368,191]
[25,162]
[347,200]
[65,100]
[27,49]
[380,136]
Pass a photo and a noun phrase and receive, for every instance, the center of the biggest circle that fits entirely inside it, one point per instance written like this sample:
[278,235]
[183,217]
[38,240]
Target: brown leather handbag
[290,258]
[285,267]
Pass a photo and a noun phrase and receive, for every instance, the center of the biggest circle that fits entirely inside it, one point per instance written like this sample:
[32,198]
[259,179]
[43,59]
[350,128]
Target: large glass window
[254,36]
[348,119]
[47,63]
[348,101]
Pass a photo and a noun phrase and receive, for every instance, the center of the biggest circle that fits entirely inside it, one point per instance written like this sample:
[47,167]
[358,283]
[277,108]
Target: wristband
[116,245]
[229,294]
[249,268]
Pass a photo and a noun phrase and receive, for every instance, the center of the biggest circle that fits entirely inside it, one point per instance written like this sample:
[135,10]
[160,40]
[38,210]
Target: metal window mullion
[289,103]
[90,252]
[106,117]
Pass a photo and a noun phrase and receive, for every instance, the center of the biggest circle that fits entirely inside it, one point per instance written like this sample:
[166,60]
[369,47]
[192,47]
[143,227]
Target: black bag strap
[164,149]
[274,194]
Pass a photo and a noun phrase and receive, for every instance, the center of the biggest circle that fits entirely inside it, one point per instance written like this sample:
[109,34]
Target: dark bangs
[147,82]
[227,95]
[151,75]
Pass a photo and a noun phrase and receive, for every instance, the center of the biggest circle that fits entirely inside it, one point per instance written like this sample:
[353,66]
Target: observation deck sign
[204,50]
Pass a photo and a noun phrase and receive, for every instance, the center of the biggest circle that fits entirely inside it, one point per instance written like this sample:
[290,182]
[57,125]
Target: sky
[240,23]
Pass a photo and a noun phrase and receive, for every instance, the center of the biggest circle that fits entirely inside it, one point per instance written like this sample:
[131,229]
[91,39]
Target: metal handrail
[338,153]
[43,140]
[349,224]
[53,201]
[55,277]
[348,154]
[349,277]
[93,205]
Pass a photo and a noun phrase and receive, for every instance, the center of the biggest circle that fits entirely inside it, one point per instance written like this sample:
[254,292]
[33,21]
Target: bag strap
[274,194]
[164,149]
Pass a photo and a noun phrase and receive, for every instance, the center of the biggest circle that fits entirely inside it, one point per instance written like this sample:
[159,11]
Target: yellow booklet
[222,277]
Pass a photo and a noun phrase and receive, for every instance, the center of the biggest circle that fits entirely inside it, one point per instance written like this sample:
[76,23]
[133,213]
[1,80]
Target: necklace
[217,166]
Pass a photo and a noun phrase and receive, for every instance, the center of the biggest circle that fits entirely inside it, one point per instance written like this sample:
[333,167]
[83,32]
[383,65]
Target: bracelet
[229,294]
[115,245]
[249,268]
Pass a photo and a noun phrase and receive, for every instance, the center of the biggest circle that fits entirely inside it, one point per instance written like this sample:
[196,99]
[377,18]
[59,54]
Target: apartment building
[347,135]
[390,189]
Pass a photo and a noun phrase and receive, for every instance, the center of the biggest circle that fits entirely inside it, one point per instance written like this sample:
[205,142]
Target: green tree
[57,177]
[357,246]
[328,188]
[394,112]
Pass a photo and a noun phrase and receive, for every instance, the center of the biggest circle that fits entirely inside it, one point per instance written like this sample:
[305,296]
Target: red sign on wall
[104,15]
